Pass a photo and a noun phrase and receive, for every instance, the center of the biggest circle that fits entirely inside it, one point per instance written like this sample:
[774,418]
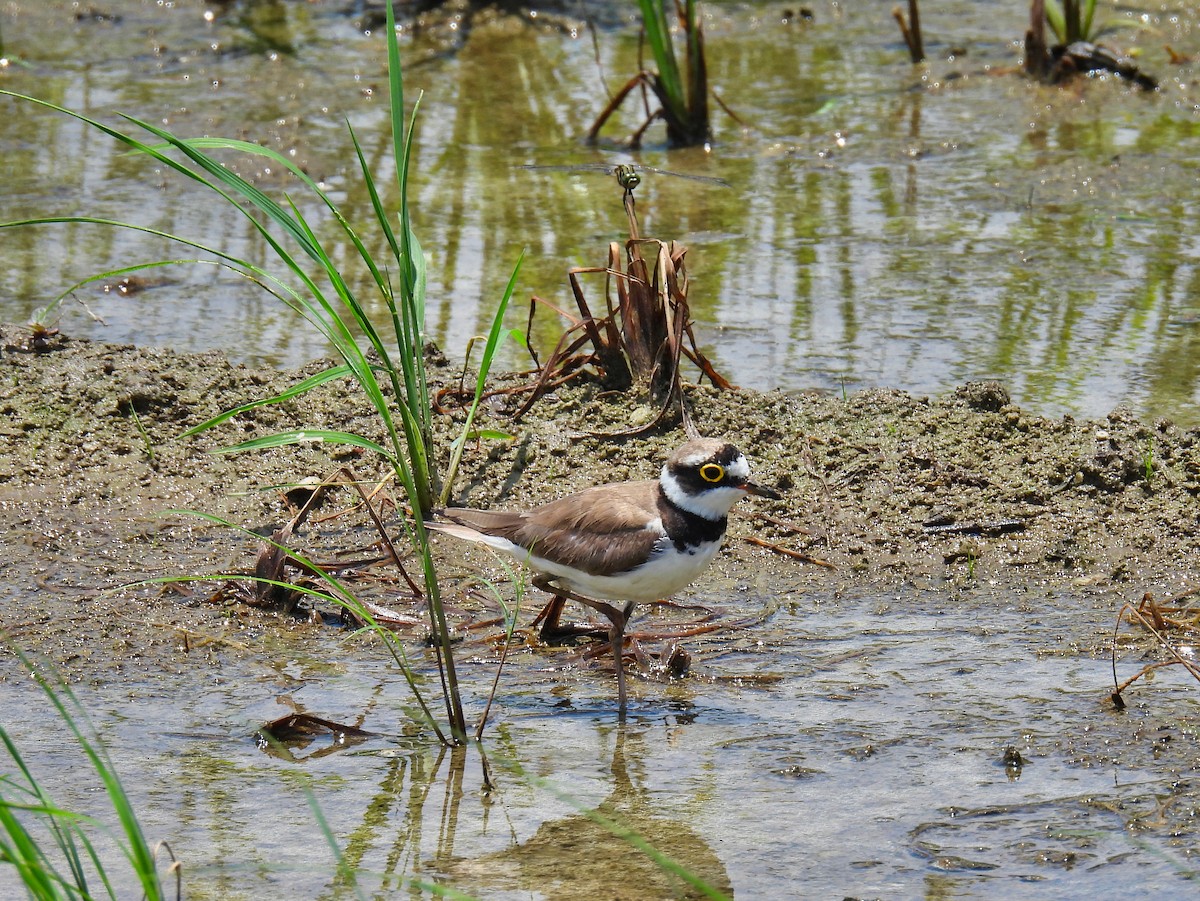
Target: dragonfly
[628,174]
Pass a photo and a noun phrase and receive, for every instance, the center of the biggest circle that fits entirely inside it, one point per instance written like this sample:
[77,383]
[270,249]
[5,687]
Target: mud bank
[882,489]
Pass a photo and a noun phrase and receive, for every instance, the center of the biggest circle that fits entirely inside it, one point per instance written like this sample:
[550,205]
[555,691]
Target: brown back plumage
[600,530]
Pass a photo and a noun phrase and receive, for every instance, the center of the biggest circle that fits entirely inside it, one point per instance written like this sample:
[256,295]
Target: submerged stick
[1177,657]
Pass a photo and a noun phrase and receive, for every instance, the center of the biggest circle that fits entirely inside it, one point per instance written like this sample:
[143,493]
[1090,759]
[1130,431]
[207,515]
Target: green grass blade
[381,214]
[144,229]
[135,847]
[329,323]
[224,175]
[320,310]
[658,36]
[496,332]
[248,148]
[1056,21]
[329,375]
[1089,13]
[345,296]
[308,436]
[34,860]
[400,146]
[213,167]
[358,362]
[296,224]
[317,312]
[42,314]
[352,305]
[417,427]
[415,407]
[344,871]
[20,850]
[315,308]
[327,301]
[485,365]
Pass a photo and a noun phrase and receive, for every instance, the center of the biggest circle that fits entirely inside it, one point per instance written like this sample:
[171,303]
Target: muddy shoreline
[883,490]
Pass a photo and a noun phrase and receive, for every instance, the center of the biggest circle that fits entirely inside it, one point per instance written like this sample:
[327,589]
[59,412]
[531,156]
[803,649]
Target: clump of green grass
[1076,31]
[51,848]
[390,370]
[1072,21]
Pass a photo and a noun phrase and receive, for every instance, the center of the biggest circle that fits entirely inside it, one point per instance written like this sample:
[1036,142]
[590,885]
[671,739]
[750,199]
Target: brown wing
[599,530]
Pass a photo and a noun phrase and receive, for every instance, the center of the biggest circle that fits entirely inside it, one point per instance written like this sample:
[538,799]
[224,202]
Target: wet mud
[882,489]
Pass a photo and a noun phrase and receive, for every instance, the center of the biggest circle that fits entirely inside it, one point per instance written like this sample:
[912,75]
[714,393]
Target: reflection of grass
[682,92]
[68,864]
[55,854]
[61,861]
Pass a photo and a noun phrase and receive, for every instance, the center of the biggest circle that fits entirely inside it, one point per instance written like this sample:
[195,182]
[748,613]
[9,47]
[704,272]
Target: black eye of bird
[712,472]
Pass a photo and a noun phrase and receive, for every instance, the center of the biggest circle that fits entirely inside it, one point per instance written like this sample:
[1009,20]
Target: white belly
[664,574]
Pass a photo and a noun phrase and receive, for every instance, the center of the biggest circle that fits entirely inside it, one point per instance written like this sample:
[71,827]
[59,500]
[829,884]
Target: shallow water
[887,225]
[843,747]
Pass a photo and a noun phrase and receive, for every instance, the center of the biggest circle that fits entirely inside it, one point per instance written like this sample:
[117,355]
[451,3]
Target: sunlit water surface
[841,748]
[910,227]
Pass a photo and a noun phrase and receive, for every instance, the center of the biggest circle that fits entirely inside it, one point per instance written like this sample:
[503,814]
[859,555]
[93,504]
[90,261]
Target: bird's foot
[556,632]
[668,664]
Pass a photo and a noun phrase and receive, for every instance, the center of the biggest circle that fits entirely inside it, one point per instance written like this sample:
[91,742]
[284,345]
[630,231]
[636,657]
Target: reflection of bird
[634,542]
[586,855]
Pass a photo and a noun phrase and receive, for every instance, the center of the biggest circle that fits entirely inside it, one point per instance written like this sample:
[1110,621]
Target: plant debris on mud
[882,489]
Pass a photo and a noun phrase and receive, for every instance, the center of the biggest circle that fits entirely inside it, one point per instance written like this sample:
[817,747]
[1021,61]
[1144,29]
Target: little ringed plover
[628,542]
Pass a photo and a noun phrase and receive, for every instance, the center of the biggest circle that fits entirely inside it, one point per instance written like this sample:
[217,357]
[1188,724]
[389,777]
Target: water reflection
[872,765]
[889,225]
[615,849]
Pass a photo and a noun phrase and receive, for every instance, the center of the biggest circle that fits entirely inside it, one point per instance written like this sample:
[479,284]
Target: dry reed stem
[1148,614]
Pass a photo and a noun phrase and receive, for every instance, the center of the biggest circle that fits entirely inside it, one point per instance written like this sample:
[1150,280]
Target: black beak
[760,490]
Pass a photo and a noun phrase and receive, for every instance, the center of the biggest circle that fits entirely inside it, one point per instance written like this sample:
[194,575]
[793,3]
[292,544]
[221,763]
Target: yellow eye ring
[712,472]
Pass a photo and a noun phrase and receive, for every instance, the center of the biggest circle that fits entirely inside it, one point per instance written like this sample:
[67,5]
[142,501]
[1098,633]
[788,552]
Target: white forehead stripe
[739,468]
[695,458]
